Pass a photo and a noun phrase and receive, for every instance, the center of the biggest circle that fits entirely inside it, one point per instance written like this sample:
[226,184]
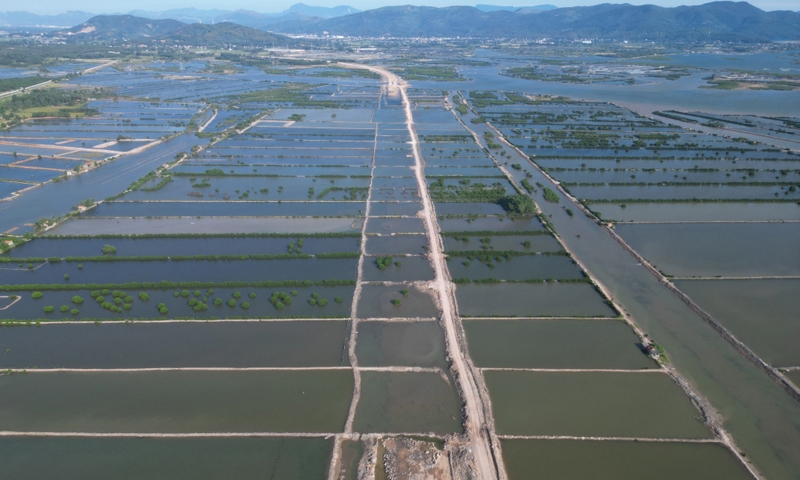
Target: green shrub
[294,293]
[279,305]
[77,300]
[105,291]
[252,295]
[312,301]
[315,296]
[66,276]
[49,309]
[176,294]
[217,302]
[245,305]
[74,311]
[161,305]
[117,301]
[100,299]
[127,306]
[63,309]
[404,292]
[338,299]
[231,303]
[322,302]
[37,295]
[192,302]
[237,295]
[185,293]
[163,311]
[197,293]
[128,299]
[144,297]
[396,302]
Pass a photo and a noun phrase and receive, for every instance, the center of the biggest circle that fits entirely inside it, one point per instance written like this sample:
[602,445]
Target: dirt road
[485,461]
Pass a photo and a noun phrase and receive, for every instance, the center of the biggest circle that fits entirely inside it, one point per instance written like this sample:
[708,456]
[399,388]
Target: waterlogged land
[372,267]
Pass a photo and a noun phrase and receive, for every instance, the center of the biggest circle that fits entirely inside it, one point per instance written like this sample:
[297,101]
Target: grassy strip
[163,183]
[162,285]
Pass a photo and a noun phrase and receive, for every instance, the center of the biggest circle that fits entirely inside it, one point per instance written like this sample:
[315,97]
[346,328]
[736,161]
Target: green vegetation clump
[144,297]
[217,302]
[252,295]
[231,303]
[109,249]
[396,302]
[237,294]
[49,309]
[74,311]
[404,292]
[518,204]
[550,196]
[77,300]
[37,295]
[338,299]
[64,309]
[245,305]
[383,263]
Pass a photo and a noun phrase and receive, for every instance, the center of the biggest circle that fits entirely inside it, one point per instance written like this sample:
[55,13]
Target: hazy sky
[122,6]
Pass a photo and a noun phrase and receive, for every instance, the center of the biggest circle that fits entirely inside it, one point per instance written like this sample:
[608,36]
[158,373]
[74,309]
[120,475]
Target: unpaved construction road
[486,464]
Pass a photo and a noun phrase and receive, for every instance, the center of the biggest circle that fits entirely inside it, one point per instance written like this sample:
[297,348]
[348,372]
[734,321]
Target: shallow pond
[407,402]
[598,404]
[396,244]
[166,458]
[531,300]
[619,460]
[525,267]
[415,344]
[537,243]
[124,226]
[153,345]
[760,313]
[555,344]
[727,249]
[376,302]
[176,401]
[697,212]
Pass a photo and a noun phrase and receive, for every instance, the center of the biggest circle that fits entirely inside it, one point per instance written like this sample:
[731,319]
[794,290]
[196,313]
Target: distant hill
[322,12]
[722,21]
[25,19]
[115,28]
[494,8]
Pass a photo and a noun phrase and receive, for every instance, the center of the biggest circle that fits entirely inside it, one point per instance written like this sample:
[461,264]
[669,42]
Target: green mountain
[720,21]
[118,28]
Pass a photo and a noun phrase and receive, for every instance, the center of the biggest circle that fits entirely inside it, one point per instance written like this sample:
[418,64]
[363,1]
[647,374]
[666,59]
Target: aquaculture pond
[194,225]
[166,458]
[598,404]
[45,247]
[415,344]
[619,460]
[712,249]
[192,302]
[237,208]
[395,301]
[175,345]
[519,243]
[396,269]
[573,343]
[697,212]
[761,313]
[531,300]
[211,271]
[397,244]
[176,401]
[400,402]
[513,267]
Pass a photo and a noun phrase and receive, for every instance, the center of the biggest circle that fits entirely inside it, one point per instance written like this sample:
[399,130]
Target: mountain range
[123,28]
[716,21]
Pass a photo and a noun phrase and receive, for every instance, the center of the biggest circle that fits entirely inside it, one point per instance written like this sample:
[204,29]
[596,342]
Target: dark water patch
[414,344]
[177,401]
[592,404]
[555,344]
[408,403]
[153,345]
[613,460]
[166,458]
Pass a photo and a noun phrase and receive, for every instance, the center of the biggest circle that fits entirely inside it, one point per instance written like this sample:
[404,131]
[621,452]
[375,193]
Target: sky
[51,7]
